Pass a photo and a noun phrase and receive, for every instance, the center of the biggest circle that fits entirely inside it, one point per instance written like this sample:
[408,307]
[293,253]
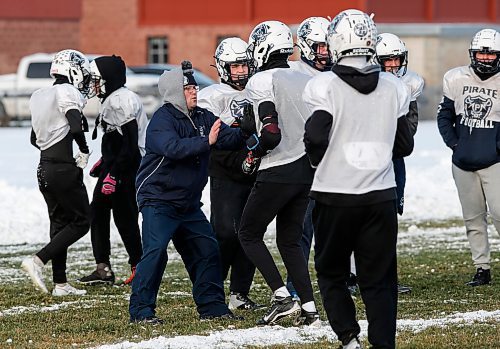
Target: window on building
[158,49]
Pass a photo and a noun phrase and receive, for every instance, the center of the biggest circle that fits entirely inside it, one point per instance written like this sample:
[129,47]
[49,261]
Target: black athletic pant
[62,188]
[125,214]
[288,203]
[371,232]
[227,201]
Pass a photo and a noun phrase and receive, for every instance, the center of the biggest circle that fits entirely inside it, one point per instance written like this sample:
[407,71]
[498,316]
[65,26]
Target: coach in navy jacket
[169,184]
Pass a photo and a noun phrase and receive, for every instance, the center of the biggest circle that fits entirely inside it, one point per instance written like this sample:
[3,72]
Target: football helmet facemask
[233,51]
[485,41]
[389,47]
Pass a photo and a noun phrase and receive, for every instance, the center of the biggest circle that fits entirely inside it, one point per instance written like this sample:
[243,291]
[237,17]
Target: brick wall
[121,34]
[22,37]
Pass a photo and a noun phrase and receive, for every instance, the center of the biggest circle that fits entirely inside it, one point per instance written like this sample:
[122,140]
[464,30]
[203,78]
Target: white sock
[61,285]
[38,261]
[309,306]
[282,292]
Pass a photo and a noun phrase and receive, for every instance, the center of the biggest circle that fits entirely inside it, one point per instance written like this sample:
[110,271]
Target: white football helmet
[351,33]
[230,51]
[269,37]
[485,41]
[389,46]
[311,32]
[73,65]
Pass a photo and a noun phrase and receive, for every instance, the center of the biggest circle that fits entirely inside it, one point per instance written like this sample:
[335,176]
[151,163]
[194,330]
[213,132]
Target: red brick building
[143,31]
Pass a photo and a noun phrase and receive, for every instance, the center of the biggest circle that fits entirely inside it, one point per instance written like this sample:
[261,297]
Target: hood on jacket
[171,88]
[113,72]
[364,80]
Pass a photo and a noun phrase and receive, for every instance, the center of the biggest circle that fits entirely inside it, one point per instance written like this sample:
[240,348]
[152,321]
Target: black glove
[247,122]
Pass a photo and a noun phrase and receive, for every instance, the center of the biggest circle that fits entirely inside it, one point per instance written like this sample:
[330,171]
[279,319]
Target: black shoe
[281,307]
[352,284]
[403,289]
[228,316]
[241,301]
[482,277]
[151,320]
[309,318]
[102,275]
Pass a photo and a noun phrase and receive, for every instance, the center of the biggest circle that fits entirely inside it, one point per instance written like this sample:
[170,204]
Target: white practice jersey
[224,101]
[358,159]
[415,84]
[283,87]
[119,108]
[48,108]
[476,101]
[303,67]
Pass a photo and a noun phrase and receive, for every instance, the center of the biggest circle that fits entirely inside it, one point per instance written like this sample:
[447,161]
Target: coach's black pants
[288,203]
[227,200]
[125,214]
[62,188]
[371,232]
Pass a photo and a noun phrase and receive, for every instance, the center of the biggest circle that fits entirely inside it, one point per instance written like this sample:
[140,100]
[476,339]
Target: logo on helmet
[220,50]
[360,30]
[477,107]
[335,22]
[260,33]
[305,30]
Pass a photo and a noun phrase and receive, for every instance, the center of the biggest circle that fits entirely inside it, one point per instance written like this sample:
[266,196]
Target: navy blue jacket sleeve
[446,119]
[229,138]
[162,138]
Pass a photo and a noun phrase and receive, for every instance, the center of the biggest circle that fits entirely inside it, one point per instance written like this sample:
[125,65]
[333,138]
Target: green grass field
[433,259]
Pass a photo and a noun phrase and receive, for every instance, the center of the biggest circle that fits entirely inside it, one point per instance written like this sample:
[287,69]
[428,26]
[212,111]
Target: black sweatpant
[288,203]
[62,188]
[371,232]
[227,201]
[125,214]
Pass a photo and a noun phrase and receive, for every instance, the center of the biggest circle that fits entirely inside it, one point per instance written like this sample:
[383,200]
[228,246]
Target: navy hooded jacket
[174,169]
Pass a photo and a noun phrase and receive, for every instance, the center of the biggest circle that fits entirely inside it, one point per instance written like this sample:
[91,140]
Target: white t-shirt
[415,84]
[303,67]
[283,87]
[476,101]
[48,107]
[224,101]
[358,159]
[119,108]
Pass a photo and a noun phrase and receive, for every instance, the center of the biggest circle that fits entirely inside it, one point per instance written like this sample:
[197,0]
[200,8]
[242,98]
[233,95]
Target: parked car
[33,72]
[158,69]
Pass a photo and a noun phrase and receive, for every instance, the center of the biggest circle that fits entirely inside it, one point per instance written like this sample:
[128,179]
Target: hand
[108,185]
[214,132]
[82,159]
[96,169]
[247,122]
[250,164]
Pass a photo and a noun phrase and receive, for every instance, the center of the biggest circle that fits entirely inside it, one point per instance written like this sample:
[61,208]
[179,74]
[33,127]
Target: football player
[469,122]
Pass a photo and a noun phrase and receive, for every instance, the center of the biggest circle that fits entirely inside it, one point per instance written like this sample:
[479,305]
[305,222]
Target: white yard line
[273,335]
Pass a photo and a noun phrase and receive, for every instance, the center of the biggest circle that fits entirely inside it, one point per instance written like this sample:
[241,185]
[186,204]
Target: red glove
[108,185]
[96,169]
